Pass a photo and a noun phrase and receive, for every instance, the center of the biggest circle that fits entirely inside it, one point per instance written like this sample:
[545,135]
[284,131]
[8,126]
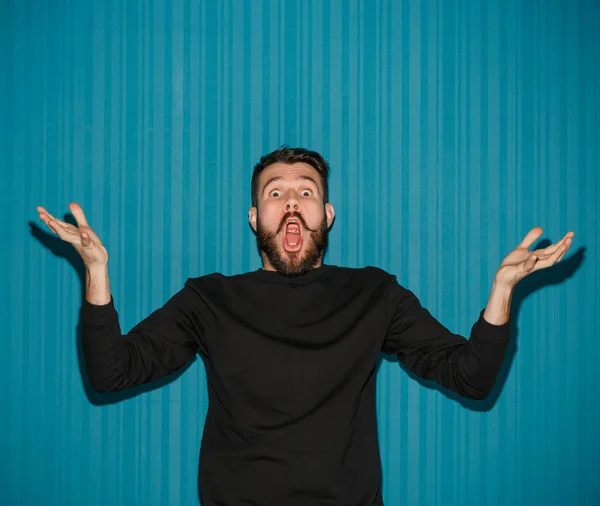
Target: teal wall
[452,127]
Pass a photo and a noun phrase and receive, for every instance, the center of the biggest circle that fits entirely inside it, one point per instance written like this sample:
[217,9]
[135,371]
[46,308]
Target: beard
[296,263]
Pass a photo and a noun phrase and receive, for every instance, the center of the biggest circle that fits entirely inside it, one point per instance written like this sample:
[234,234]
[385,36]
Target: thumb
[86,240]
[530,263]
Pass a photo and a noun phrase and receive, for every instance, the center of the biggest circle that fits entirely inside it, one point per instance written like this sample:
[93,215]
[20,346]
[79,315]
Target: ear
[330,212]
[252,217]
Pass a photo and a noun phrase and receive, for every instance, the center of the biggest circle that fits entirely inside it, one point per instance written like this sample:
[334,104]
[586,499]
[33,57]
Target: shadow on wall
[554,275]
[536,281]
[65,250]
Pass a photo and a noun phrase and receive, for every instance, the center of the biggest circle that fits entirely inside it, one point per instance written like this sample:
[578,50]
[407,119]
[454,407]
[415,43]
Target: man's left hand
[520,262]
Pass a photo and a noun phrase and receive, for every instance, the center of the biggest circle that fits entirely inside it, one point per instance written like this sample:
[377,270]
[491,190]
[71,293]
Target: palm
[515,257]
[520,262]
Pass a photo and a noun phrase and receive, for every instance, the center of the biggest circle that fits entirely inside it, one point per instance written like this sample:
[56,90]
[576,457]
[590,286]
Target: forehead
[286,171]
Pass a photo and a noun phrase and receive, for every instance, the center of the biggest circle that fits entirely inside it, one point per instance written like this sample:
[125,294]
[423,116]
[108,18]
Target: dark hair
[287,155]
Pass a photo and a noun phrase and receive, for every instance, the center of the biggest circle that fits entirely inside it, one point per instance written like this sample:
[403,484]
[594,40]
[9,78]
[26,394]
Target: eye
[306,193]
[275,193]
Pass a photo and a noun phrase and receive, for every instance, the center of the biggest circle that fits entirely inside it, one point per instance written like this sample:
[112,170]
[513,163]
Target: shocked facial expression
[291,220]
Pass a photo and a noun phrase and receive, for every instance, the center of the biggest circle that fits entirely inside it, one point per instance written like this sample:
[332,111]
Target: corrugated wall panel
[452,128]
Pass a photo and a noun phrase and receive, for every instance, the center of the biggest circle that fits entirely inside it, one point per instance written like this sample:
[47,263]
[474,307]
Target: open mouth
[292,235]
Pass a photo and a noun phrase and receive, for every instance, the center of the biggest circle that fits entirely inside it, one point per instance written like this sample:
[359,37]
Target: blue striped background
[452,128]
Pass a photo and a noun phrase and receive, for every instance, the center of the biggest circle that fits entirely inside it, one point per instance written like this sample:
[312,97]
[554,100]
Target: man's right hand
[82,238]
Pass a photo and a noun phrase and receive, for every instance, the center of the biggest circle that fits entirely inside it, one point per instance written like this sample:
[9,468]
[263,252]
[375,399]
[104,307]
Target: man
[290,349]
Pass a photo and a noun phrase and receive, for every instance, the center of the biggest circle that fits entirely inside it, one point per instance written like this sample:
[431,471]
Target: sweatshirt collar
[276,276]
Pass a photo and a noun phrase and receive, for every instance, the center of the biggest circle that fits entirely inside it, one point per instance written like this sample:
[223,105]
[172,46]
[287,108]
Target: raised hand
[82,238]
[520,262]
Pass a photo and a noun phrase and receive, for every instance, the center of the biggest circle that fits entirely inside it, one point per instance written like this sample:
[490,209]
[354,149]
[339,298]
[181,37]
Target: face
[291,221]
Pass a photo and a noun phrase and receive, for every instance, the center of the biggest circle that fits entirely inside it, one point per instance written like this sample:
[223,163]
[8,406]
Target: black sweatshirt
[290,366]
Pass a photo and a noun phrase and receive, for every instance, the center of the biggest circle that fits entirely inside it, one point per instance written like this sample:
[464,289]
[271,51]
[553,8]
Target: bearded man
[290,350]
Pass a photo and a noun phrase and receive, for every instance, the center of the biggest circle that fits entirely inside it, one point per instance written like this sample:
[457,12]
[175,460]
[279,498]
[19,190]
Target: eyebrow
[277,178]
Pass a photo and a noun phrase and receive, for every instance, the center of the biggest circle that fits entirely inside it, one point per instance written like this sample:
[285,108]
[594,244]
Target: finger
[552,248]
[560,252]
[65,231]
[82,221]
[78,213]
[41,209]
[46,219]
[568,239]
[529,264]
[92,234]
[565,240]
[46,216]
[59,226]
[531,237]
[52,225]
[562,255]
[86,240]
[552,259]
[60,223]
[60,230]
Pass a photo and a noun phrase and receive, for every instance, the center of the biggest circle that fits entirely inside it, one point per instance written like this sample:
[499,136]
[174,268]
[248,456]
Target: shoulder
[206,281]
[216,283]
[387,284]
[366,272]
[367,276]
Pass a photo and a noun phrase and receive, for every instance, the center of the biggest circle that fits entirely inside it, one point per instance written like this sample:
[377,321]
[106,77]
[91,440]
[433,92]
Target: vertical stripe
[452,129]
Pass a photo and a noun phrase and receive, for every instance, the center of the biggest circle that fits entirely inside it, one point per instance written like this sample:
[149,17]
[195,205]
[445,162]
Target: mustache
[294,214]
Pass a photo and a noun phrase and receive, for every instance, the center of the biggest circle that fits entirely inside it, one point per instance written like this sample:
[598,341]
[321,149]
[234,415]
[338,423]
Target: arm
[163,342]
[97,286]
[497,310]
[467,366]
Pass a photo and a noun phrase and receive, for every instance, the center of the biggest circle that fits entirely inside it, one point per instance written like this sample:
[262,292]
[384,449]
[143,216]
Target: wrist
[96,268]
[97,290]
[502,286]
[497,311]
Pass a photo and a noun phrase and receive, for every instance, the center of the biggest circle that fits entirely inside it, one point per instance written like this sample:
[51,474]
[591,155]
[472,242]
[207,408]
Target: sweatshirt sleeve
[467,366]
[163,342]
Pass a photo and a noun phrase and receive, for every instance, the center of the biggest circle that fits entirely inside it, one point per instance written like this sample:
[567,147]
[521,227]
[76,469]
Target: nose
[292,203]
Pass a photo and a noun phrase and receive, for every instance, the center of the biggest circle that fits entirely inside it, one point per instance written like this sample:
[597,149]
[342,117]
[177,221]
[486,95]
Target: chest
[293,359]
